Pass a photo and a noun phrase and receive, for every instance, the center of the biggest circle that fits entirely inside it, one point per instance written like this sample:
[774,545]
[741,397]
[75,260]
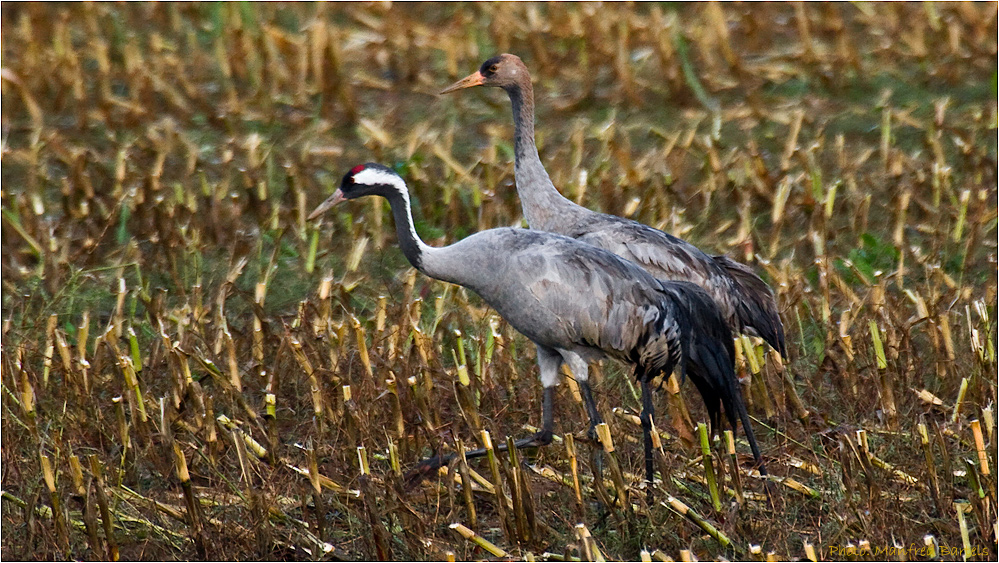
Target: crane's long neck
[430,260]
[544,207]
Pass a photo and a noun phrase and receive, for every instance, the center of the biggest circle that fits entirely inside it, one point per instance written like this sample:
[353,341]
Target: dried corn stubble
[860,187]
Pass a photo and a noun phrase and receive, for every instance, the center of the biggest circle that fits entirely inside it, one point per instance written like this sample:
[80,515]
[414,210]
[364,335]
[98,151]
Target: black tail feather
[713,374]
[755,305]
[711,365]
[704,379]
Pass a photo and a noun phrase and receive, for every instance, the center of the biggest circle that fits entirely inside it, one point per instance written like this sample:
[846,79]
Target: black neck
[409,242]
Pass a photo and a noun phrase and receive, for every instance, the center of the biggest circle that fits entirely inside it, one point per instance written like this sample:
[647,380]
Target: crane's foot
[426,469]
[540,439]
[591,432]
[773,497]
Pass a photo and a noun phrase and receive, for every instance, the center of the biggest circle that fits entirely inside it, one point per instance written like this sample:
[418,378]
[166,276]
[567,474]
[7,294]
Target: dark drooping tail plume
[710,364]
[755,305]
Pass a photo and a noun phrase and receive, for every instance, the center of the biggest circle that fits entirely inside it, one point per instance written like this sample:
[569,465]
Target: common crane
[576,303]
[746,301]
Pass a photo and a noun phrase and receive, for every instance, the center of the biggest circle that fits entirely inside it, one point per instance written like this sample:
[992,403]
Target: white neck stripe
[375,176]
[372,176]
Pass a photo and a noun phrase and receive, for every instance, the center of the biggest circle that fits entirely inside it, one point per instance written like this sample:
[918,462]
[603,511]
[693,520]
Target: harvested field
[191,370]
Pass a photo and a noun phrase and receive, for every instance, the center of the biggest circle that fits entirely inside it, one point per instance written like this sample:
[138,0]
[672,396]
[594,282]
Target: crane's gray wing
[604,302]
[662,255]
[745,299]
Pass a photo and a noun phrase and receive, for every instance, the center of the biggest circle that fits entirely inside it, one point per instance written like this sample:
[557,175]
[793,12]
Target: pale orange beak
[474,79]
[325,206]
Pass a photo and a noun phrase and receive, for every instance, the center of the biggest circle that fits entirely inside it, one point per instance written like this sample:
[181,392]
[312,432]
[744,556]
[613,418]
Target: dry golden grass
[190,370]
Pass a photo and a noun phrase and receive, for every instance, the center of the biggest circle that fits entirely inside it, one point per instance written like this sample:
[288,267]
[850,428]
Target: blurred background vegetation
[180,346]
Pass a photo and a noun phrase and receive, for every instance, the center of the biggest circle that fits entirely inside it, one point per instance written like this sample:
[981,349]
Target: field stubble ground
[191,370]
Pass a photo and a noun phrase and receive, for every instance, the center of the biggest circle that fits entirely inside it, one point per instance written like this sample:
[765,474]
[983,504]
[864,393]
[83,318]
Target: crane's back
[557,290]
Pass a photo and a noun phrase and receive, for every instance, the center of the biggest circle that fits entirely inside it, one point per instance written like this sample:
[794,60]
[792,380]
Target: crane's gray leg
[549,361]
[646,418]
[591,408]
[543,436]
[581,373]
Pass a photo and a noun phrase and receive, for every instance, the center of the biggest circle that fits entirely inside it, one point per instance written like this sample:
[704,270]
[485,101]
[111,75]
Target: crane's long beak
[334,199]
[474,79]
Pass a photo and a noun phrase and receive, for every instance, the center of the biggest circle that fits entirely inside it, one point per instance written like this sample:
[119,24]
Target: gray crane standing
[746,301]
[577,303]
